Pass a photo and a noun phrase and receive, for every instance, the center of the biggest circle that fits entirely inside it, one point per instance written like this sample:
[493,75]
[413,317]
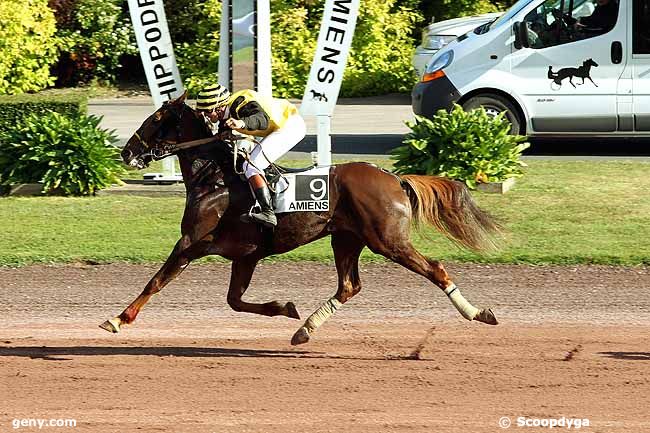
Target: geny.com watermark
[562,422]
[42,423]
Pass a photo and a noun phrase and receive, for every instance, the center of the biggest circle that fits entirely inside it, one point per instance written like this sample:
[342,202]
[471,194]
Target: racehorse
[369,207]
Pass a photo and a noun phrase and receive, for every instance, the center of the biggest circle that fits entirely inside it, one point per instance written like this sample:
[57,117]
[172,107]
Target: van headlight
[440,62]
[435,42]
[434,70]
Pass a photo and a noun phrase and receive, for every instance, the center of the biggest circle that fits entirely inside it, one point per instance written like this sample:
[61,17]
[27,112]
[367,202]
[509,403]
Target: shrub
[468,146]
[27,45]
[94,34]
[380,57]
[14,109]
[71,155]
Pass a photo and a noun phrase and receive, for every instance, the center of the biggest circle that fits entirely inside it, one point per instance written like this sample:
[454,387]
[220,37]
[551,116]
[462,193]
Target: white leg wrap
[323,313]
[462,305]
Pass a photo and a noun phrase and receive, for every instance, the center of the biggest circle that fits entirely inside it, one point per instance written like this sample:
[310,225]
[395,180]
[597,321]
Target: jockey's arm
[253,116]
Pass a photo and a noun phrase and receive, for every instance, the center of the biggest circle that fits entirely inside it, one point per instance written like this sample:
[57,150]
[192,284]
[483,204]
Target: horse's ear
[181,99]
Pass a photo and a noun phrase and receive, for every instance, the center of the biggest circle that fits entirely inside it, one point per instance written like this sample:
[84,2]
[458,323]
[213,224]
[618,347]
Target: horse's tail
[448,206]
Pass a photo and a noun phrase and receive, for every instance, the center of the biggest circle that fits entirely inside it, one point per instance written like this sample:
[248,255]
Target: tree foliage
[380,58]
[27,45]
[95,35]
[194,29]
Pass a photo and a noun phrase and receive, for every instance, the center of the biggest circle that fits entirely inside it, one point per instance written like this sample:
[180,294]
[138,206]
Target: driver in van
[602,20]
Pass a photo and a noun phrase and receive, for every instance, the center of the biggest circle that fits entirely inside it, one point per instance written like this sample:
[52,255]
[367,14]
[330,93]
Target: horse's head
[590,62]
[169,125]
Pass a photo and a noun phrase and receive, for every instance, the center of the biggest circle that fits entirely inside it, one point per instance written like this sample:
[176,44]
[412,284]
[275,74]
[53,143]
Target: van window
[557,22]
[641,27]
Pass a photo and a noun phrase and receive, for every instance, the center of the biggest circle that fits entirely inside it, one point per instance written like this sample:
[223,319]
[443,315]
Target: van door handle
[617,52]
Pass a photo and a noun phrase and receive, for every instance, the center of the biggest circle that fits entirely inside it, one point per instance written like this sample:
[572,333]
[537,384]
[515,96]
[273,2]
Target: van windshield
[510,13]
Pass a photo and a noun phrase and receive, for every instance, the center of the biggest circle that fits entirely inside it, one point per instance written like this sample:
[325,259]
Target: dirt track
[189,364]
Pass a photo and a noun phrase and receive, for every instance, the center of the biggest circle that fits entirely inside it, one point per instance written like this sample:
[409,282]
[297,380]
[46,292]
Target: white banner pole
[157,54]
[324,139]
[326,73]
[263,60]
[224,45]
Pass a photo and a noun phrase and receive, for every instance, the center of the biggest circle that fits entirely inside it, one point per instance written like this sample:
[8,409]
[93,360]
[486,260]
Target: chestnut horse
[368,207]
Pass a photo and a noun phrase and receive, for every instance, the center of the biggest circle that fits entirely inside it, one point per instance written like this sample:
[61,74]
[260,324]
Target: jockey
[275,120]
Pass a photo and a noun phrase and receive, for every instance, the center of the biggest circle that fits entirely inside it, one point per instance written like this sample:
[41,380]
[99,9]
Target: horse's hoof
[112,325]
[486,316]
[292,312]
[300,337]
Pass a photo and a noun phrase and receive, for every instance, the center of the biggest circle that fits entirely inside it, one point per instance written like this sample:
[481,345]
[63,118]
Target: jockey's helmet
[211,97]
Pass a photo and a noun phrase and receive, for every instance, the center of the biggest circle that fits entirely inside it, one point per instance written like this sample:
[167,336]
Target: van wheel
[494,105]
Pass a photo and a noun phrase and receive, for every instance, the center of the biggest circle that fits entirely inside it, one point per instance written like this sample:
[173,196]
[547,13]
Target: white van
[438,34]
[555,67]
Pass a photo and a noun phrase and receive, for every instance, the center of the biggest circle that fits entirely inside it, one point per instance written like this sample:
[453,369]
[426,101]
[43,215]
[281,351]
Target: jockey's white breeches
[274,145]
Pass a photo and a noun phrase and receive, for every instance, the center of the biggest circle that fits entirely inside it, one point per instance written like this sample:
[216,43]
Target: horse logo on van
[583,72]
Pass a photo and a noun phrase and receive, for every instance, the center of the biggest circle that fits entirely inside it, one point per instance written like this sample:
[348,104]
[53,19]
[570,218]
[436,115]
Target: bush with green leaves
[472,147]
[71,155]
[94,34]
[379,60]
[28,46]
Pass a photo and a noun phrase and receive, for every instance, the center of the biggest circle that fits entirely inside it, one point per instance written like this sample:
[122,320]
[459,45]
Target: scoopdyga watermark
[551,423]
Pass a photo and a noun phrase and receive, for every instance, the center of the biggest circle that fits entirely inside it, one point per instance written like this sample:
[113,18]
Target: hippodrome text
[157,54]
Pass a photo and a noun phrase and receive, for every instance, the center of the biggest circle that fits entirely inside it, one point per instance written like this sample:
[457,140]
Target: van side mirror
[521,35]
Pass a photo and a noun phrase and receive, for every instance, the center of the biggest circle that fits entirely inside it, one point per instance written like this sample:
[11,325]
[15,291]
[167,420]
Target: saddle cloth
[302,191]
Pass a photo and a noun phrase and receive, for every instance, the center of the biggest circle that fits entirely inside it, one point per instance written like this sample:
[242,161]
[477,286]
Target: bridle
[160,150]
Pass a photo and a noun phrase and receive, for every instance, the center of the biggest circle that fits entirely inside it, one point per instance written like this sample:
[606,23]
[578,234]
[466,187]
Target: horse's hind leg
[406,255]
[347,248]
[174,265]
[240,278]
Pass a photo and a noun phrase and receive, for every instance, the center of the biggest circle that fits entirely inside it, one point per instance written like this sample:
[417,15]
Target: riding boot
[266,217]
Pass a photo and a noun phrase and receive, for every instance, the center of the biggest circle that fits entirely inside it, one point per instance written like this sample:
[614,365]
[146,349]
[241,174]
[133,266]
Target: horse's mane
[204,168]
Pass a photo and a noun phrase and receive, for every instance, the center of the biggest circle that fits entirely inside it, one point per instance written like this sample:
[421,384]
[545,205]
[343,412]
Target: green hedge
[14,109]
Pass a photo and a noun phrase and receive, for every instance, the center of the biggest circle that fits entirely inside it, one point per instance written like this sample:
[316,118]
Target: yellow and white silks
[286,129]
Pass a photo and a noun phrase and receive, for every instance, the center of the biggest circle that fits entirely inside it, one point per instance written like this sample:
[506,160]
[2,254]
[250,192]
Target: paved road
[375,126]
[368,125]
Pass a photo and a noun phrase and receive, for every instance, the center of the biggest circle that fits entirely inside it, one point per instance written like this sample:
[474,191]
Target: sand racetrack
[573,342]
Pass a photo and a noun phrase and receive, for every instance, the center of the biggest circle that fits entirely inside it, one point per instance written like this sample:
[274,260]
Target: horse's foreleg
[240,278]
[176,262]
[347,248]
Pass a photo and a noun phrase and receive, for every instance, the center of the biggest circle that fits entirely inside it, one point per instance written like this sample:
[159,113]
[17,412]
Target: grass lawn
[564,212]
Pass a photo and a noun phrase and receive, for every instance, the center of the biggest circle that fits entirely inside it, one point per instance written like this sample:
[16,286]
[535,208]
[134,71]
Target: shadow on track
[628,356]
[51,353]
